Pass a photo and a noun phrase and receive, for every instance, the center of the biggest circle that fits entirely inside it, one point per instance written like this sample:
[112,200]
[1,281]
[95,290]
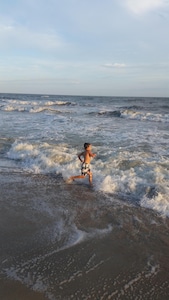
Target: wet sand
[14,290]
[58,242]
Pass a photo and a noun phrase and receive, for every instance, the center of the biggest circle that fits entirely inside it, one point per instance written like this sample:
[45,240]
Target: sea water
[70,241]
[43,135]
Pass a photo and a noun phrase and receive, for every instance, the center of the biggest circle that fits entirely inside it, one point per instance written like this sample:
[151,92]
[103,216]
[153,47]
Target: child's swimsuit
[85,169]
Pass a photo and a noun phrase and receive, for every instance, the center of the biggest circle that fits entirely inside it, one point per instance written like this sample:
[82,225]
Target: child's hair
[86,145]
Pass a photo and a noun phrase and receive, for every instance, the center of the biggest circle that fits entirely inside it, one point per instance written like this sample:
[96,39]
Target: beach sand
[61,241]
[14,290]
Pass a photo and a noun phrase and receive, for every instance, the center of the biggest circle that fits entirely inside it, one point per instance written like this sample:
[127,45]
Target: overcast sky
[85,47]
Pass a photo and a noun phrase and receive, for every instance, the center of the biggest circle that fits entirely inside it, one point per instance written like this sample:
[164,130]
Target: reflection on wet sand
[69,242]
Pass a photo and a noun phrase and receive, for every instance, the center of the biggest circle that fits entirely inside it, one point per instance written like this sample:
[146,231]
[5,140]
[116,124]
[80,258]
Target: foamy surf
[69,241]
[134,176]
[48,132]
[67,246]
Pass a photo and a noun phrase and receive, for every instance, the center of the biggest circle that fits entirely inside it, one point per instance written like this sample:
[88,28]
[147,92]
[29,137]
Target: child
[85,168]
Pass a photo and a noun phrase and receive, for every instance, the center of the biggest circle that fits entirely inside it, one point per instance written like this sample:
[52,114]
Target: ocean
[71,241]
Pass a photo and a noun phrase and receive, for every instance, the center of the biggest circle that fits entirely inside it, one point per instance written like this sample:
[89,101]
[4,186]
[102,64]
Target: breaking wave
[34,106]
[135,115]
[132,177]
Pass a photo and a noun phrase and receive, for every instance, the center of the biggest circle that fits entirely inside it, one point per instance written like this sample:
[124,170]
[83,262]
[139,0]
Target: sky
[85,47]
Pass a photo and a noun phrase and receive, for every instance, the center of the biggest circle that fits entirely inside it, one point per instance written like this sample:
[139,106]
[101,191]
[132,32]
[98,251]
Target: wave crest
[135,115]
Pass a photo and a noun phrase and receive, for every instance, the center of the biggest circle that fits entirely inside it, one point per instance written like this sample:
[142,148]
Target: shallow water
[69,242]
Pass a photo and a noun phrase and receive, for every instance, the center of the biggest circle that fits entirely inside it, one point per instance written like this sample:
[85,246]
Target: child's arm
[79,156]
[92,154]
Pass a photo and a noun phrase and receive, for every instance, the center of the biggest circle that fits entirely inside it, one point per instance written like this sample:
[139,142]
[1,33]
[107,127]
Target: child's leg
[90,177]
[77,177]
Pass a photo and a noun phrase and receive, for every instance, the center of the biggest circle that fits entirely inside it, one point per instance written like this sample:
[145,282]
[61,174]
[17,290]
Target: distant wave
[43,109]
[60,103]
[33,106]
[115,113]
[134,115]
[11,108]
[145,116]
[136,107]
[38,103]
[34,110]
[165,106]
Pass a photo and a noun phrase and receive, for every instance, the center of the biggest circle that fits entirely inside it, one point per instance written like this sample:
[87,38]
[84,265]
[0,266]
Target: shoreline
[73,247]
[12,289]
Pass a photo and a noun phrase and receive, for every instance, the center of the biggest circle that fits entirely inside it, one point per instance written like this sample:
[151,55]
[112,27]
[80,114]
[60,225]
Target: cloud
[115,65]
[143,6]
[18,36]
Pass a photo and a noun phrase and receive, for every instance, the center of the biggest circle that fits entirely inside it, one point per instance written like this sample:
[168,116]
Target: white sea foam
[160,203]
[132,154]
[144,116]
[32,272]
[37,103]
[14,108]
[42,109]
[35,109]
[129,174]
[34,106]
[41,158]
[135,115]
